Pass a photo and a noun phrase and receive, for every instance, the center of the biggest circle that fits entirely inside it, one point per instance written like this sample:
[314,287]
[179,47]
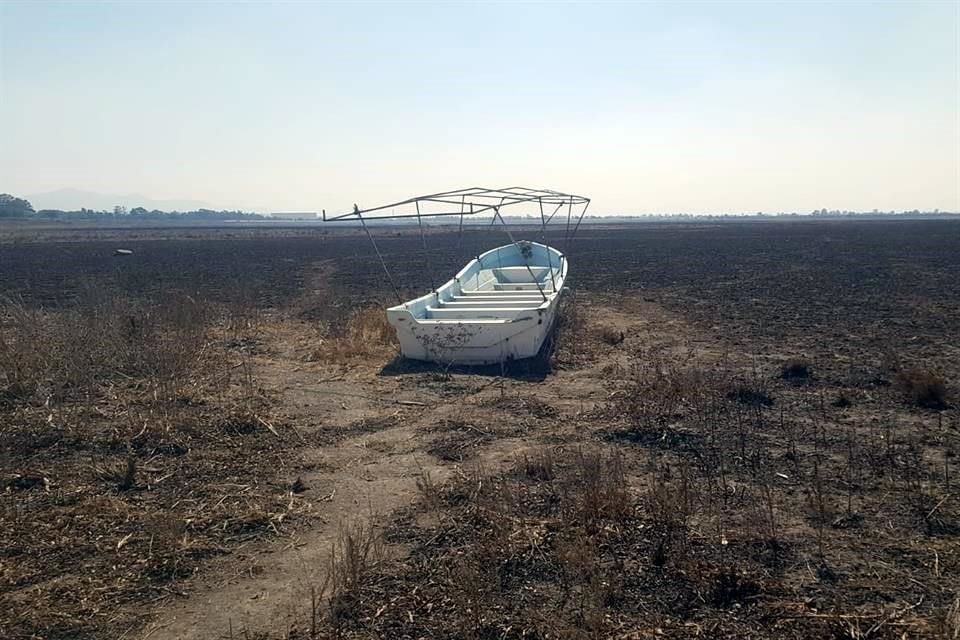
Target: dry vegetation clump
[750,394]
[923,387]
[654,391]
[242,325]
[540,465]
[797,370]
[457,438]
[365,334]
[843,400]
[522,407]
[132,447]
[358,552]
[577,340]
[611,335]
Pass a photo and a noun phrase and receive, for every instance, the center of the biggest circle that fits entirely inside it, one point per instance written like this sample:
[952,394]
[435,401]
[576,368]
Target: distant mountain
[73,199]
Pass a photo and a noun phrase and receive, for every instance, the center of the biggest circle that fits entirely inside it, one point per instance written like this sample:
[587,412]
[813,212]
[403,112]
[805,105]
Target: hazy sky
[645,107]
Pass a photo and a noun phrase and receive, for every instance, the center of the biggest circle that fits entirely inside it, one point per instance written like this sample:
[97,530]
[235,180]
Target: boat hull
[500,307]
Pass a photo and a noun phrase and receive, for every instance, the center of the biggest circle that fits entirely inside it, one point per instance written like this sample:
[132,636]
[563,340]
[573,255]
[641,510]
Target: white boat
[501,306]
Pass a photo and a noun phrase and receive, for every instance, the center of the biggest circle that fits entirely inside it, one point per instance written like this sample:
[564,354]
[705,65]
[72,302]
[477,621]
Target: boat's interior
[512,286]
[502,292]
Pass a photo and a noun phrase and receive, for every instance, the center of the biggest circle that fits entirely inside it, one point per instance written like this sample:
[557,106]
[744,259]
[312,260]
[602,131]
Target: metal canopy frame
[471,201]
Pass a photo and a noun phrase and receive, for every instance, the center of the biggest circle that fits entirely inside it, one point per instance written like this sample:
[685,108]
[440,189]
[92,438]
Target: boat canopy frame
[471,201]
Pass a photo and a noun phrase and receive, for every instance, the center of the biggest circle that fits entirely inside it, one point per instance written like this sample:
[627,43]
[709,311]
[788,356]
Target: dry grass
[571,340]
[356,554]
[460,436]
[563,545]
[366,333]
[129,420]
[699,501]
[598,489]
[557,547]
[70,354]
[653,389]
[541,465]
[951,622]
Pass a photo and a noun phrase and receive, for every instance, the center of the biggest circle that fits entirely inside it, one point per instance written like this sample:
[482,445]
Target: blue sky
[645,107]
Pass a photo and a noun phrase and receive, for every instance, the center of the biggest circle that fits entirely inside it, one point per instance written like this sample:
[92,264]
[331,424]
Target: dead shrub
[588,589]
[923,387]
[240,422]
[797,370]
[842,401]
[358,551]
[750,395]
[129,478]
[430,492]
[651,393]
[610,335]
[370,325]
[731,587]
[243,327]
[598,489]
[539,466]
[670,503]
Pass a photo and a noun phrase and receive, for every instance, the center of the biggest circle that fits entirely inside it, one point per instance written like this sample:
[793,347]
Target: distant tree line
[13,207]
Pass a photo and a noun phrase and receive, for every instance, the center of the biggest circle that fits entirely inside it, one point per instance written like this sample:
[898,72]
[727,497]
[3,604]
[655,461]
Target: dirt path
[268,586]
[360,477]
[372,470]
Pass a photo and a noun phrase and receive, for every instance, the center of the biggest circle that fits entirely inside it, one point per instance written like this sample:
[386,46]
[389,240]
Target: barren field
[743,430]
